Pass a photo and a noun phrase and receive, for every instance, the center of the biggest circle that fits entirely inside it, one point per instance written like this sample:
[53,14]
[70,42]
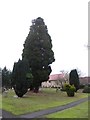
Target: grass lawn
[46,98]
[79,111]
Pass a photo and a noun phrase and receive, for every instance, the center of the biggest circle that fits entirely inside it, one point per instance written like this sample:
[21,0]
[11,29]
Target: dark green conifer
[74,79]
[38,52]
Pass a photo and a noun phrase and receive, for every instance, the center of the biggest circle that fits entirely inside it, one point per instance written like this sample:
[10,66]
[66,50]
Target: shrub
[88,84]
[81,86]
[67,86]
[86,89]
[70,89]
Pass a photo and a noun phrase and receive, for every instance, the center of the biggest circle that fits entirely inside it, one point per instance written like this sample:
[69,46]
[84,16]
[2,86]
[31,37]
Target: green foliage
[19,79]
[86,89]
[70,89]
[6,78]
[74,79]
[38,52]
[29,78]
[81,86]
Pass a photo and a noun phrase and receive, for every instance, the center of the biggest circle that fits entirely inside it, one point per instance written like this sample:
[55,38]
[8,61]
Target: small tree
[19,79]
[6,78]
[74,79]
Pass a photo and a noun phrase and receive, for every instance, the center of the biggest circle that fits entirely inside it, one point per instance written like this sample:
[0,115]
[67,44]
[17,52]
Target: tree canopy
[6,78]
[19,77]
[38,52]
[74,79]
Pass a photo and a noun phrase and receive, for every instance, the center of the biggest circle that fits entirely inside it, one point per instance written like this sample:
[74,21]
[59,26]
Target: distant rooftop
[56,77]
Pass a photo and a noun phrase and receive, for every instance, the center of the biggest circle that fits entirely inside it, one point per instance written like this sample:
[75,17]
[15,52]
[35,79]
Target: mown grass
[79,111]
[45,99]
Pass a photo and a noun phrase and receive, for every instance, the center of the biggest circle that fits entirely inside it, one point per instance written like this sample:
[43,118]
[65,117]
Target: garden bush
[86,89]
[70,89]
[88,84]
[81,86]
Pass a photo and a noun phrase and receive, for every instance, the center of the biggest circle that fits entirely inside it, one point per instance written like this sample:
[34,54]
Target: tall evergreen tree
[19,77]
[74,79]
[38,51]
[6,78]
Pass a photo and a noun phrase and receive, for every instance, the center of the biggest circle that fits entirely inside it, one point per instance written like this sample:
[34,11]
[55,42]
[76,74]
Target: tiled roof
[83,80]
[56,77]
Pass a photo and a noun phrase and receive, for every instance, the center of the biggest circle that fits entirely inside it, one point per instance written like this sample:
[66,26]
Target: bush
[88,84]
[81,86]
[86,89]
[70,89]
[66,86]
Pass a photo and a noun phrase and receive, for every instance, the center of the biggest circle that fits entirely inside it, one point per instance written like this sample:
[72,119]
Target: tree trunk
[36,89]
[31,88]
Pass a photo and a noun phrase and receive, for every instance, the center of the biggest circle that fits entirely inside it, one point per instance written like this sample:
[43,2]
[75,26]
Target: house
[84,80]
[55,80]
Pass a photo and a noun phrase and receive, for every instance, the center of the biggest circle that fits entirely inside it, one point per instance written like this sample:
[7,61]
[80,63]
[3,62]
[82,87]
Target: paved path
[41,113]
[53,110]
[6,114]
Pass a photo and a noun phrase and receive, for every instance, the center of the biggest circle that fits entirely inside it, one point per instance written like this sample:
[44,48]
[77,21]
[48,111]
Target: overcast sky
[67,23]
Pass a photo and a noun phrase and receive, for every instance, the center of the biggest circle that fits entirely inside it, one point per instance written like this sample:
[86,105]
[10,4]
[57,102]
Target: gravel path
[41,113]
